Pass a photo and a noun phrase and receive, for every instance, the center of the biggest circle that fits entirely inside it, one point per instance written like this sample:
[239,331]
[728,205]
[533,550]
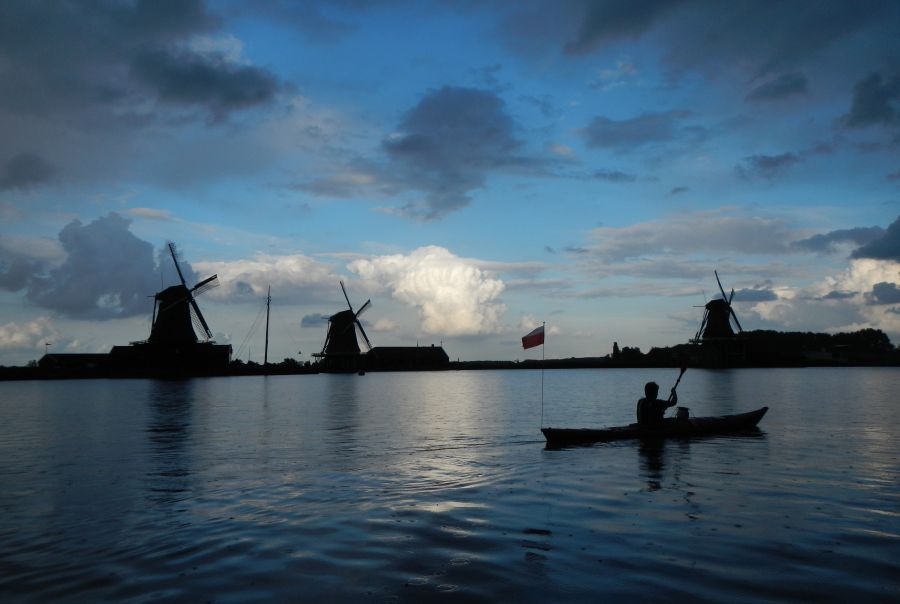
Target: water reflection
[650,452]
[169,434]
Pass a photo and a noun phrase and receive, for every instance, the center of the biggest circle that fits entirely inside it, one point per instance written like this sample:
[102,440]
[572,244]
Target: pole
[268,303]
[543,350]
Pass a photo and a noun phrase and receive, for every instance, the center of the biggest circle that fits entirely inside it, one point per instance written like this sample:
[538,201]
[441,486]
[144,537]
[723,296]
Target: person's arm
[673,399]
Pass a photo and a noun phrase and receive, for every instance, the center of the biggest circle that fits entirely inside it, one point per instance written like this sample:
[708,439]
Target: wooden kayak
[694,426]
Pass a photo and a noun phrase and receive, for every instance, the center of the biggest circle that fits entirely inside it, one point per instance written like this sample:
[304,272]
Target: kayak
[682,427]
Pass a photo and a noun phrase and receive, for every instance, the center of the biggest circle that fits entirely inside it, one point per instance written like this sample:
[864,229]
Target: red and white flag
[534,338]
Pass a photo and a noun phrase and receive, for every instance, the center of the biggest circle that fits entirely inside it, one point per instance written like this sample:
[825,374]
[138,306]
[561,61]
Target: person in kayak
[650,409]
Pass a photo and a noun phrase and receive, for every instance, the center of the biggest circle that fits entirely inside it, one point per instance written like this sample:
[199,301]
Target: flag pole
[543,349]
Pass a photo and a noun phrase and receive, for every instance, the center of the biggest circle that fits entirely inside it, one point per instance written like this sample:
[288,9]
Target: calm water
[437,487]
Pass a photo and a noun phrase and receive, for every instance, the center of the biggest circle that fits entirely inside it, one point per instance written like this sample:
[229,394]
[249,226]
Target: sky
[473,168]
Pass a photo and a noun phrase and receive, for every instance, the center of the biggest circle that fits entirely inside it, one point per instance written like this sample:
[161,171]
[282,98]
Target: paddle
[678,381]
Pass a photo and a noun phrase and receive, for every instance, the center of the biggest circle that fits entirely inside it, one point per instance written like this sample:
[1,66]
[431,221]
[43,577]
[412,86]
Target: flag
[534,338]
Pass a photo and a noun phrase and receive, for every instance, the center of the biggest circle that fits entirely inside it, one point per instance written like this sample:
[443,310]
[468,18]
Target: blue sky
[473,168]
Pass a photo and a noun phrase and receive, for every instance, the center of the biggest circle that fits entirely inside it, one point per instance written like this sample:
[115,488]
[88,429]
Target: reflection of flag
[535,338]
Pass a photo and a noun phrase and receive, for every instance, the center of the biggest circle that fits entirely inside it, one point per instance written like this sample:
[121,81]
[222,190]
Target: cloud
[754,295]
[710,231]
[608,21]
[829,243]
[25,171]
[616,176]
[31,335]
[446,146]
[628,134]
[294,279]
[679,190]
[887,247]
[766,166]
[838,295]
[876,101]
[210,82]
[884,293]
[452,295]
[107,273]
[780,87]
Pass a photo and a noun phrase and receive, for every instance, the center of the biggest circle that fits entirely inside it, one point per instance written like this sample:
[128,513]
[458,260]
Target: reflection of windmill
[717,318]
[174,309]
[341,337]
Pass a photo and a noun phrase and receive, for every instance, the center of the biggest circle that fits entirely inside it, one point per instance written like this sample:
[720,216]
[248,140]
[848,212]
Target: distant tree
[616,352]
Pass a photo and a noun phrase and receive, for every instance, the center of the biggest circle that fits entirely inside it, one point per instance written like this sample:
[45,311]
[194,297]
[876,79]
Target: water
[436,487]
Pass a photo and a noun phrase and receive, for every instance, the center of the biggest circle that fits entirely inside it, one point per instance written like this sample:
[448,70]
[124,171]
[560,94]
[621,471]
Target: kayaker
[650,409]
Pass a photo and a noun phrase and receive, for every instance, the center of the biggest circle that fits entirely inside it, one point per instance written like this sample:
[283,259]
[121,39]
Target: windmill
[340,339]
[717,318]
[175,310]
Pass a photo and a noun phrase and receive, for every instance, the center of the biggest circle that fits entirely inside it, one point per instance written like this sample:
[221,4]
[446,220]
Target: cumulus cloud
[31,335]
[454,297]
[886,247]
[718,230]
[447,145]
[25,171]
[294,279]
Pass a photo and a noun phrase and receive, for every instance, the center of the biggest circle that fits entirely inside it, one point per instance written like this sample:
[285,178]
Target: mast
[268,304]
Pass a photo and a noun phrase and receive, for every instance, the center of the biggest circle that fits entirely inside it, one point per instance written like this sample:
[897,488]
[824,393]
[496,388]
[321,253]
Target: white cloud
[28,336]
[453,295]
[294,278]
[151,213]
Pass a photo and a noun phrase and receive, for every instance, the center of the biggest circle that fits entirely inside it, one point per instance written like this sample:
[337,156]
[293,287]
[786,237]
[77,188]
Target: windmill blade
[175,260]
[362,332]
[346,297]
[363,308]
[702,325]
[731,297]
[327,337]
[204,282]
[721,289]
[734,316]
[196,309]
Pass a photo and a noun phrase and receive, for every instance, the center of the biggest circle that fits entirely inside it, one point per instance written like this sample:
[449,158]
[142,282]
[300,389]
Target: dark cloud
[614,176]
[764,37]
[314,320]
[884,293]
[827,243]
[628,134]
[838,295]
[614,19]
[107,273]
[679,190]
[446,145]
[100,58]
[766,166]
[25,171]
[780,87]
[894,175]
[876,101]
[887,247]
[189,79]
[754,295]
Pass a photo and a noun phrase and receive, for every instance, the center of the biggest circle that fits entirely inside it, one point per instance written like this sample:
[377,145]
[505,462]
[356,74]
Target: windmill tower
[175,310]
[717,339]
[341,350]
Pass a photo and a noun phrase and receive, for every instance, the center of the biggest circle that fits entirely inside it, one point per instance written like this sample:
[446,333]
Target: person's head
[651,389]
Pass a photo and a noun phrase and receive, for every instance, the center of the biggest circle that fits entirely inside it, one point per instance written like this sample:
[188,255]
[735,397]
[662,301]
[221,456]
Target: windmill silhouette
[173,347]
[718,317]
[175,310]
[340,340]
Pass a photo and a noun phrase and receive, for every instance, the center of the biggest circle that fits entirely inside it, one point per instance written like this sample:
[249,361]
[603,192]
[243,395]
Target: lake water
[436,487]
